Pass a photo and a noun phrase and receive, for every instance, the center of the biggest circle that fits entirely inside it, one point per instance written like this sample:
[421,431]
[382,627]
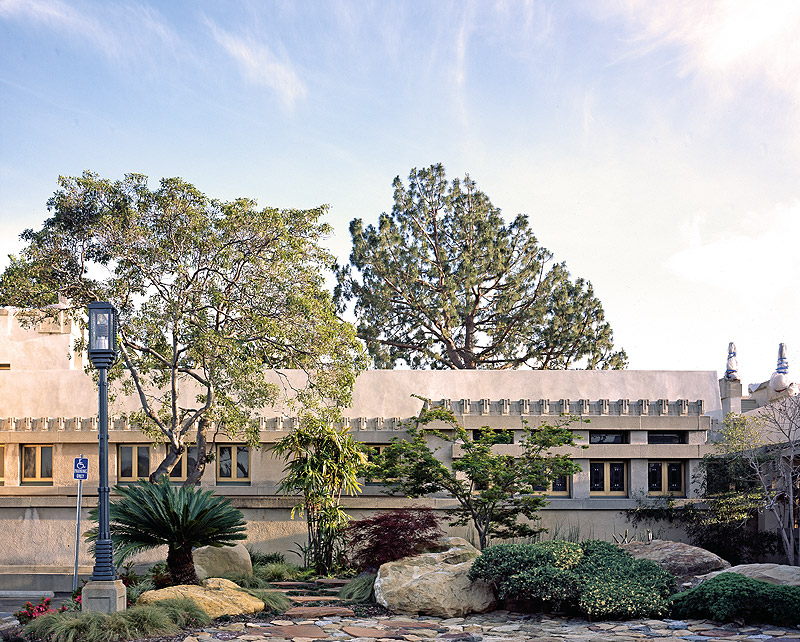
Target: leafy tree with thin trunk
[768,442]
[443,282]
[211,295]
[493,488]
[322,463]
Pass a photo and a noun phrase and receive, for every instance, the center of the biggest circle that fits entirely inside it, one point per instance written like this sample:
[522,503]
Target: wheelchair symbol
[81,464]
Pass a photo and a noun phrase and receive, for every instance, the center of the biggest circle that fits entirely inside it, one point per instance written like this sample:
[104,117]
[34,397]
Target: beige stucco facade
[48,401]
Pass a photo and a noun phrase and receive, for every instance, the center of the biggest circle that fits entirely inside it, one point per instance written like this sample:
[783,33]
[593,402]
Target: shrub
[260,558]
[359,589]
[31,612]
[731,595]
[135,590]
[498,563]
[247,581]
[275,571]
[547,586]
[598,579]
[391,535]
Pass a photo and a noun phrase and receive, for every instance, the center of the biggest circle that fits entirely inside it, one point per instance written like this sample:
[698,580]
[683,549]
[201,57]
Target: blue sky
[654,145]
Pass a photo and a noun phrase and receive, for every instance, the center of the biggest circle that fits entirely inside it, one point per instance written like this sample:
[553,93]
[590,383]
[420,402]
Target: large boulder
[682,560]
[217,597]
[772,573]
[217,561]
[434,583]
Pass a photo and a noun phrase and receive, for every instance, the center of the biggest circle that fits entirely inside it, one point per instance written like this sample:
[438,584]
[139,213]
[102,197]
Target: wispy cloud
[260,65]
[121,32]
[730,43]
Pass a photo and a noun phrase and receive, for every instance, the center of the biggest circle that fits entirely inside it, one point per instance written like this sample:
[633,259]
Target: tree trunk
[193,476]
[181,565]
[165,466]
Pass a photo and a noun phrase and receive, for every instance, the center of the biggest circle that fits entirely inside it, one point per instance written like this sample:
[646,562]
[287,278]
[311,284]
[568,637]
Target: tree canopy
[443,282]
[210,295]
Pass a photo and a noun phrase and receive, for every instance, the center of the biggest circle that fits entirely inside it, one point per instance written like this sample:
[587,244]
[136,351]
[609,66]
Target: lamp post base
[103,597]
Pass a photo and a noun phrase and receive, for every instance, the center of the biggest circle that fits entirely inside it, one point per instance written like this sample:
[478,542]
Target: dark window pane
[29,462]
[47,462]
[596,477]
[126,461]
[616,474]
[191,458]
[143,461]
[675,477]
[242,462]
[608,437]
[177,469]
[560,484]
[225,461]
[654,477]
[677,437]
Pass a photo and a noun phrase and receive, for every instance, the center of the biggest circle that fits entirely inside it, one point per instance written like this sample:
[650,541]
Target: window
[372,451]
[665,478]
[498,436]
[2,465]
[673,437]
[37,465]
[133,462]
[185,463]
[608,478]
[233,464]
[614,437]
[558,488]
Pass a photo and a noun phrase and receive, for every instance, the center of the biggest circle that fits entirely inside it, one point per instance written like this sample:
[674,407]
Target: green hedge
[731,595]
[595,578]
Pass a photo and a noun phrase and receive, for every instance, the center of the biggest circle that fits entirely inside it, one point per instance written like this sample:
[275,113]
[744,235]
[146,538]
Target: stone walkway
[498,626]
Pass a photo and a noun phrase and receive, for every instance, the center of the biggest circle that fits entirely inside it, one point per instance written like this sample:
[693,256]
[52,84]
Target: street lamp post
[104,592]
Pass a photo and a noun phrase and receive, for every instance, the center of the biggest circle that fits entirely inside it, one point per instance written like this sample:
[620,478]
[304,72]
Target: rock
[682,560]
[217,597]
[434,583]
[216,561]
[772,573]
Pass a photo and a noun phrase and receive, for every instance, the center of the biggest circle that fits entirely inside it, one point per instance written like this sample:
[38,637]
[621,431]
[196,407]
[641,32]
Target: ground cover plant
[391,535]
[730,596]
[596,579]
[360,589]
[164,618]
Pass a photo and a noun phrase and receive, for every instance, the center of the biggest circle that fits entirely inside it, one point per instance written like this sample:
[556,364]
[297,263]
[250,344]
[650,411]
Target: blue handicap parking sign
[81,468]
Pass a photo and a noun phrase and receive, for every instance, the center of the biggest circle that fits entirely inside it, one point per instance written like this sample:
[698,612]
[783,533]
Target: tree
[322,462]
[493,489]
[768,442]
[445,283]
[149,515]
[210,296]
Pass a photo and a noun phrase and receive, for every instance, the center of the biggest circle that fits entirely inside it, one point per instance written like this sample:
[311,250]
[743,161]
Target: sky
[654,145]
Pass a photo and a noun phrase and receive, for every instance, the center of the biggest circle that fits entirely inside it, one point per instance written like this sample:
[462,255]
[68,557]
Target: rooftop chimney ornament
[779,384]
[732,367]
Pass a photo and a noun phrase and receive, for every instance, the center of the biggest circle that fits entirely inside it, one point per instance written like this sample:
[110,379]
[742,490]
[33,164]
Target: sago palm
[149,515]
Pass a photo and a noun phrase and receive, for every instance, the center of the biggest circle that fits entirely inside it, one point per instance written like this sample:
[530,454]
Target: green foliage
[148,515]
[259,557]
[498,563]
[322,463]
[164,618]
[549,586]
[210,296]
[275,571]
[730,596]
[493,489]
[445,283]
[133,591]
[360,589]
[274,601]
[597,579]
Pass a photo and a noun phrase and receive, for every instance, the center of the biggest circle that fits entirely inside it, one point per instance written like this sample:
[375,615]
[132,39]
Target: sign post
[80,472]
